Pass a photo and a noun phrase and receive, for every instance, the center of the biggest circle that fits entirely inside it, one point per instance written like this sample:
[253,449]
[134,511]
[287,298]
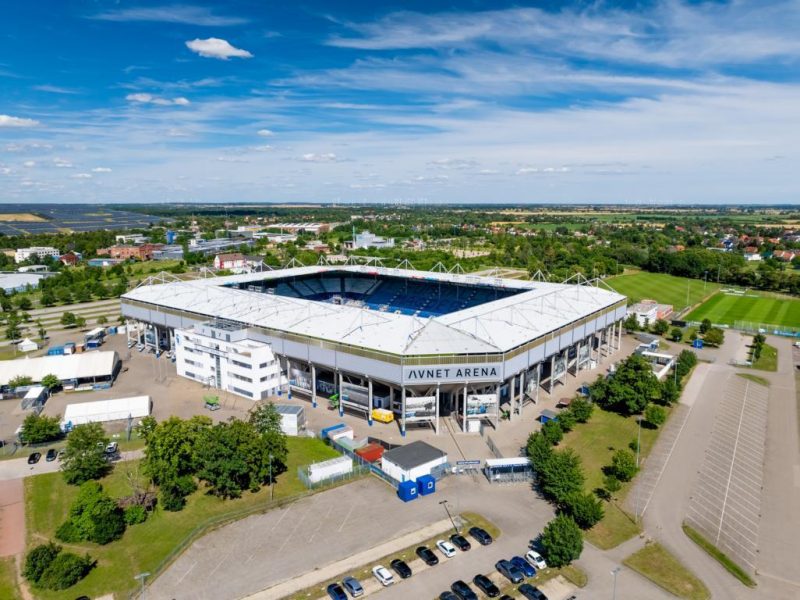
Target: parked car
[336,592]
[448,596]
[112,448]
[446,548]
[34,458]
[51,455]
[484,584]
[460,542]
[531,592]
[427,555]
[505,597]
[353,586]
[401,568]
[383,575]
[463,591]
[536,559]
[524,566]
[509,571]
[483,537]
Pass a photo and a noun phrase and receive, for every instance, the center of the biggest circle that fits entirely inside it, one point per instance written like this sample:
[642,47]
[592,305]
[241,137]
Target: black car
[401,568]
[483,537]
[34,458]
[531,592]
[448,596]
[336,592]
[51,455]
[460,542]
[463,591]
[427,556]
[484,584]
[505,597]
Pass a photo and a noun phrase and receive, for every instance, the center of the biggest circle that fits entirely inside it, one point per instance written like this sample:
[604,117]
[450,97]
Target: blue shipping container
[324,433]
[697,344]
[407,491]
[426,485]
[55,351]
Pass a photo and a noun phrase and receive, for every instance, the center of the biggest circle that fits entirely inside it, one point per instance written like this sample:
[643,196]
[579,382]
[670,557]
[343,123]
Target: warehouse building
[90,369]
[420,344]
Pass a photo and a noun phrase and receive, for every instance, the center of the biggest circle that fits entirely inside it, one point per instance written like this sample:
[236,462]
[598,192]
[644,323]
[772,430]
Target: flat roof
[65,367]
[413,455]
[497,326]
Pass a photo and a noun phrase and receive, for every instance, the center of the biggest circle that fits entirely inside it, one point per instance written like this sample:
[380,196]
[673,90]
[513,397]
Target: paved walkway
[18,468]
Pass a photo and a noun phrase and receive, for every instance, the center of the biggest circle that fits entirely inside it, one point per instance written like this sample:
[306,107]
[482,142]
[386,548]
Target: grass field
[666,571]
[666,289]
[8,581]
[725,309]
[768,361]
[144,546]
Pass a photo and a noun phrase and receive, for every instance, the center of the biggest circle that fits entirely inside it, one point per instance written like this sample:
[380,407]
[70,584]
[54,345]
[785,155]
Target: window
[241,364]
[192,375]
[240,377]
[242,392]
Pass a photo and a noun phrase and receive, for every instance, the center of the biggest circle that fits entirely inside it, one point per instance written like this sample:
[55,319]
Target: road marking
[347,516]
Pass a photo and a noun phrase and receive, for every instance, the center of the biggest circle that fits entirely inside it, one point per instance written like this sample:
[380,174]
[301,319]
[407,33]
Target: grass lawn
[666,571]
[145,546]
[666,289]
[8,580]
[726,309]
[719,556]
[768,361]
[754,378]
[595,442]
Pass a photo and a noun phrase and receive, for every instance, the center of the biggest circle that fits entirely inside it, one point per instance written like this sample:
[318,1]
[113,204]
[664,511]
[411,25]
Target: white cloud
[62,163]
[9,121]
[216,48]
[54,89]
[176,13]
[101,170]
[29,164]
[81,176]
[143,98]
[319,158]
[265,132]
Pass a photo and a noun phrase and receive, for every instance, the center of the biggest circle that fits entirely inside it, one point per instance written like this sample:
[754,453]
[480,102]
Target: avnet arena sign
[451,373]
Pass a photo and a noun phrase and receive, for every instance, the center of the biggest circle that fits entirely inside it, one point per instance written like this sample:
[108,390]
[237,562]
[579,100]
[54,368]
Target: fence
[753,327]
[372,468]
[357,472]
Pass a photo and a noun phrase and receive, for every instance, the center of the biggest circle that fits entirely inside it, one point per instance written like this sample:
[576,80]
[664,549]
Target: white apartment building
[221,355]
[23,254]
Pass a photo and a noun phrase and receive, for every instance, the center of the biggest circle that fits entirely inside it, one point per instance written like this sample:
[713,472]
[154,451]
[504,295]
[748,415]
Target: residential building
[317,246]
[230,262]
[23,254]
[221,355]
[70,259]
[784,255]
[752,256]
[131,238]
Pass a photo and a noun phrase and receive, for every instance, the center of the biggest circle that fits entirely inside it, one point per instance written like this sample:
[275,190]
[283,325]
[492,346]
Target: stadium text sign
[452,373]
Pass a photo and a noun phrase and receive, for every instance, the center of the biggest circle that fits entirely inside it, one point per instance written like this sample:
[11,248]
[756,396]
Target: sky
[411,102]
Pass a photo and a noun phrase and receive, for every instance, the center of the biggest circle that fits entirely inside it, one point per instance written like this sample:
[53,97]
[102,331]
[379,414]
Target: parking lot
[725,505]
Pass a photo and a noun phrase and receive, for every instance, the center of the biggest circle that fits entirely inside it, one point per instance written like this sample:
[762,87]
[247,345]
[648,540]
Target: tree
[267,421]
[37,429]
[38,560]
[102,320]
[41,330]
[553,432]
[47,299]
[623,465]
[66,570]
[80,322]
[660,327]
[585,509]
[51,382]
[686,362]
[12,330]
[562,541]
[265,418]
[68,319]
[631,323]
[582,409]
[561,475]
[705,325]
[670,391]
[25,303]
[539,449]
[20,381]
[714,337]
[84,456]
[93,517]
[566,420]
[631,388]
[676,334]
[655,415]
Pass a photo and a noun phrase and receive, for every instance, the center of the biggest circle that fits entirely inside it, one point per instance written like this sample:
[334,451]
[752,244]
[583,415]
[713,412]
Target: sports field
[725,309]
[666,289]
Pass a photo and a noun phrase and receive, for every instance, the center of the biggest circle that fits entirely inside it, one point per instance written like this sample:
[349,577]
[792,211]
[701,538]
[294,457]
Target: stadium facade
[415,345]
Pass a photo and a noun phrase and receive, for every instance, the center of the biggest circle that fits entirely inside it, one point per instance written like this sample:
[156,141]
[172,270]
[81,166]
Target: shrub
[676,334]
[66,570]
[612,484]
[567,420]
[38,559]
[94,516]
[585,509]
[68,533]
[562,541]
[539,449]
[135,514]
[634,445]
[553,432]
[173,492]
[705,326]
[582,409]
[623,465]
[655,415]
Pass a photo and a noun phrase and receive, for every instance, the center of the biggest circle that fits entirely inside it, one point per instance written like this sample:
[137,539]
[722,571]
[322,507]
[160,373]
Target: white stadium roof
[71,366]
[492,327]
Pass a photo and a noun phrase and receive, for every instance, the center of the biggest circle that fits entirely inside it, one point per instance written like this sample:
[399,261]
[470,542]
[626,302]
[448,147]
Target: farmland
[726,309]
[666,289]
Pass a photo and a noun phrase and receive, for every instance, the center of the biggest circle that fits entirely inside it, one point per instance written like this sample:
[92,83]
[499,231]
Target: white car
[446,548]
[535,559]
[383,575]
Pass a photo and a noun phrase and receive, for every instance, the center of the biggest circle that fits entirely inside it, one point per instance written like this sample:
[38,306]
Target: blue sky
[425,102]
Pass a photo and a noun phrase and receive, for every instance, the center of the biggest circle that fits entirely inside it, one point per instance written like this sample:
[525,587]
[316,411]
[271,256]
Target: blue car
[524,566]
[336,592]
[352,585]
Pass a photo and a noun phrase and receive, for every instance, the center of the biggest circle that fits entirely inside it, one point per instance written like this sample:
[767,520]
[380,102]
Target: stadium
[380,341]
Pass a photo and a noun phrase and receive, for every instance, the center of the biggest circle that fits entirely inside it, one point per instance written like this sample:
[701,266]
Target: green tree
[66,570]
[553,432]
[265,418]
[686,362]
[539,449]
[655,415]
[80,322]
[561,475]
[623,465]
[102,320]
[93,517]
[582,409]
[84,455]
[562,541]
[585,509]
[20,381]
[714,337]
[670,391]
[705,325]
[38,560]
[51,382]
[37,429]
[631,323]
[47,299]
[41,330]
[676,334]
[68,319]
[631,388]
[12,329]
[567,420]
[660,327]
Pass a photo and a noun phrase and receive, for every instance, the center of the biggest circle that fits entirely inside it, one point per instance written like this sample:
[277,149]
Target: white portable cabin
[330,468]
[293,418]
[407,463]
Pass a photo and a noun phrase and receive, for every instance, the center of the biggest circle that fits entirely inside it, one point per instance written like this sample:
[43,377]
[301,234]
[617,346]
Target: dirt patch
[21,218]
[12,517]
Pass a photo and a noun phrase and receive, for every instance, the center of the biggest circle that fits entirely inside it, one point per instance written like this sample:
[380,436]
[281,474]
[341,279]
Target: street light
[444,503]
[614,574]
[140,578]
[271,483]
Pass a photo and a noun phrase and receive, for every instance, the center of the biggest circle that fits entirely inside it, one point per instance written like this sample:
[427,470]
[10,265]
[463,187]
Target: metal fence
[754,327]
[302,474]
[372,468]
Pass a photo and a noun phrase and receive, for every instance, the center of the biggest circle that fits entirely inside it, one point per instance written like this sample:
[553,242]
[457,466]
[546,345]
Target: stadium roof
[71,366]
[492,327]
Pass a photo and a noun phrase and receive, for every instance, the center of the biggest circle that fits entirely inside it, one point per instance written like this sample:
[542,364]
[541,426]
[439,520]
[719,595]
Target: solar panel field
[26,219]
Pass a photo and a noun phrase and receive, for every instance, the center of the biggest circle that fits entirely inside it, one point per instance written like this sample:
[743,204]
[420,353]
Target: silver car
[353,587]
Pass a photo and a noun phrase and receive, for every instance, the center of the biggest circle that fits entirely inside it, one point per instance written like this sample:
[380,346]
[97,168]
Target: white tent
[27,345]
[107,410]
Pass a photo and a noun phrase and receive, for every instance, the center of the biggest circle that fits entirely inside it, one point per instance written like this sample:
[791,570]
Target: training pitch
[725,309]
[666,289]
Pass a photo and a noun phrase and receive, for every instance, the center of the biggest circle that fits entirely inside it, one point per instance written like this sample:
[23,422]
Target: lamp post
[614,574]
[140,578]
[447,510]
[271,483]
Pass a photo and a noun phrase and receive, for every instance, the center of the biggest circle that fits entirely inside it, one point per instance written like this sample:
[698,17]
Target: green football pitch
[728,308]
[666,289]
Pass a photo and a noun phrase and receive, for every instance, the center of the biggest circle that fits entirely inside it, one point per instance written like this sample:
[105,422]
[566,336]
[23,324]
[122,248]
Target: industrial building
[23,254]
[419,344]
[73,370]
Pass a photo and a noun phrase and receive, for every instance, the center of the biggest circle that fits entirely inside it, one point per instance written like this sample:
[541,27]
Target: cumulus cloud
[101,170]
[9,121]
[265,132]
[314,157]
[62,163]
[143,98]
[29,164]
[81,176]
[216,48]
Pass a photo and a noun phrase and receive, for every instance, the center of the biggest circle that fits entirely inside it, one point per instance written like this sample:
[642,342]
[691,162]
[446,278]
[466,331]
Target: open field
[8,584]
[21,218]
[768,361]
[145,546]
[726,309]
[662,568]
[666,289]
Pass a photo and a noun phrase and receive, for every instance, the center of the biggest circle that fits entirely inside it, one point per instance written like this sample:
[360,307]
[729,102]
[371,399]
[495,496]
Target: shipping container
[55,351]
[330,468]
[371,452]
[407,491]
[426,485]
[326,430]
[341,432]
